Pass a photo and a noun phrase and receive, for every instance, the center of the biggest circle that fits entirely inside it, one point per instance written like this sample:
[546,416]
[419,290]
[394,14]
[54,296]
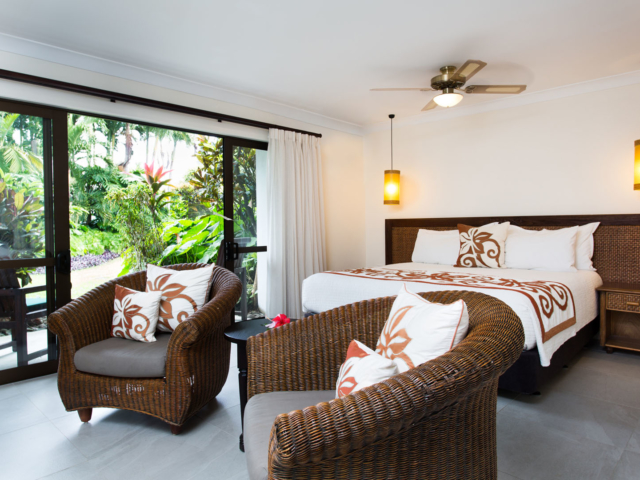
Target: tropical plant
[88,189]
[21,219]
[137,225]
[207,179]
[13,158]
[192,241]
[85,241]
[160,196]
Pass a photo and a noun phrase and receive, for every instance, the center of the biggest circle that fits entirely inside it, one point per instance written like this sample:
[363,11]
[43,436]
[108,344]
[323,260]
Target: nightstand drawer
[623,301]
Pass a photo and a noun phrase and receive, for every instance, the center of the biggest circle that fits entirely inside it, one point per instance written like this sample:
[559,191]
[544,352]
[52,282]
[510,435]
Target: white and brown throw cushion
[183,293]
[418,331]
[135,314]
[362,368]
[482,246]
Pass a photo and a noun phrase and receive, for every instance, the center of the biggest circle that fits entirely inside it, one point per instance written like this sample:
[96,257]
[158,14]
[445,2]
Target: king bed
[559,310]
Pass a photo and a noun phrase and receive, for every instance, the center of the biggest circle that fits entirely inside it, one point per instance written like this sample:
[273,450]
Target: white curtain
[295,219]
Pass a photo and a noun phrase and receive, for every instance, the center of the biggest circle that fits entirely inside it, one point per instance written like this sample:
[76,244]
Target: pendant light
[636,176]
[392,178]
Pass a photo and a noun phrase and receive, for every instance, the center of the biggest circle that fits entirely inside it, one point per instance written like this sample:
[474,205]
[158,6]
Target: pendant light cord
[391,117]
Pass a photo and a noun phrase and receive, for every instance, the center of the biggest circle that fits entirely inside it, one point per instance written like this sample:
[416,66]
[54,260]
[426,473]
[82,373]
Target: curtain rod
[145,102]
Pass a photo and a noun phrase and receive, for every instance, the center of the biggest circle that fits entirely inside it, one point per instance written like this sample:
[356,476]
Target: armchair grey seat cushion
[259,415]
[117,357]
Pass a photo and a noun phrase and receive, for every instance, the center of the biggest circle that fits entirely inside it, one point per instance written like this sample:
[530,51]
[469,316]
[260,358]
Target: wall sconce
[392,178]
[636,166]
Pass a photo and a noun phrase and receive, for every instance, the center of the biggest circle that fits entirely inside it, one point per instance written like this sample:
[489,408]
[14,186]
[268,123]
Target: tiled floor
[585,425]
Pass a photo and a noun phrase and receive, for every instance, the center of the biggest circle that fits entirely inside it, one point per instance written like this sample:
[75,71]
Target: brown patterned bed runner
[552,301]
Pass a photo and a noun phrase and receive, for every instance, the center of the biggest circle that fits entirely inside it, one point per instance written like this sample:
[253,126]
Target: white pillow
[584,246]
[418,331]
[551,250]
[183,293]
[584,243]
[439,247]
[362,368]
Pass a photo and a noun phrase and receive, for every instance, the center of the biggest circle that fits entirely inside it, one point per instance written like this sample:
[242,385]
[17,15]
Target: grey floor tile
[577,416]
[531,450]
[107,429]
[227,419]
[9,390]
[628,467]
[504,398]
[619,363]
[35,452]
[18,412]
[591,379]
[634,442]
[506,476]
[43,392]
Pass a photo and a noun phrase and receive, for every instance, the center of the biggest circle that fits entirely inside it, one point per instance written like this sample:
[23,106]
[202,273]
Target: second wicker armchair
[436,421]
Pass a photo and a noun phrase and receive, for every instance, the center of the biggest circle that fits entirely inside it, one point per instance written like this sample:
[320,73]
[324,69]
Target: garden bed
[86,261]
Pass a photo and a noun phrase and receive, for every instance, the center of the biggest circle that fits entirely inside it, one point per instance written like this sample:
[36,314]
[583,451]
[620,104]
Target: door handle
[230,251]
[63,262]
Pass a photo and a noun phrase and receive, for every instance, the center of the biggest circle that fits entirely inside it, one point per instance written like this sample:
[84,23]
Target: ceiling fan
[452,79]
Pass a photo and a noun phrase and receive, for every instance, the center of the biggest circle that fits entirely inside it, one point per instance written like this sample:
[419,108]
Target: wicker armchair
[197,359]
[436,421]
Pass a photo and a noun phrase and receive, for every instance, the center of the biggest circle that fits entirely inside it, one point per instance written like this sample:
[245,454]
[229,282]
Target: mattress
[325,291]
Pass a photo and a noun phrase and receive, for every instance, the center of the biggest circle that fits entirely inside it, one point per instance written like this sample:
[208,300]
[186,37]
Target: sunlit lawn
[86,279]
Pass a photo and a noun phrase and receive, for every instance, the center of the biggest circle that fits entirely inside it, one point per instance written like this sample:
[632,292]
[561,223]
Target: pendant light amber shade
[636,175]
[392,178]
[392,187]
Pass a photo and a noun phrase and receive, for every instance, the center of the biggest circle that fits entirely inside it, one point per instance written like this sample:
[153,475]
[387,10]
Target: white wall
[342,153]
[572,155]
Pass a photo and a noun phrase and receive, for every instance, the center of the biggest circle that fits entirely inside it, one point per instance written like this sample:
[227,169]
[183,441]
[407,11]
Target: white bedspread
[325,291]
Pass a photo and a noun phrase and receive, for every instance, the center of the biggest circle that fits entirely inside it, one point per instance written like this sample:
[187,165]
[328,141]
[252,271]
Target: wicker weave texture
[616,254]
[197,357]
[436,421]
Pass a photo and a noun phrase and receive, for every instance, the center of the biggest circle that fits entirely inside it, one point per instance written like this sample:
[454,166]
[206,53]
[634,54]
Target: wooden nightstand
[620,316]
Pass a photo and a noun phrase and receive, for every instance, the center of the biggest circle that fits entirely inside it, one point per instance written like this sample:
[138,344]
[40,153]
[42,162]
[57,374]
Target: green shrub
[89,241]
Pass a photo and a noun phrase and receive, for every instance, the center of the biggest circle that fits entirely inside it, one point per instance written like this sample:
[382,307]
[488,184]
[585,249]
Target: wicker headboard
[617,239]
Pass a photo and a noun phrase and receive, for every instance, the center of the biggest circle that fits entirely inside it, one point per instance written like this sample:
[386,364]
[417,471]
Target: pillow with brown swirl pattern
[482,246]
[135,314]
[184,292]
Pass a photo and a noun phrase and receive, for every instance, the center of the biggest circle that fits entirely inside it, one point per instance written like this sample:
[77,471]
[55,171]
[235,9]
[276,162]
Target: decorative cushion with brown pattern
[362,368]
[418,331]
[482,246]
[135,314]
[183,293]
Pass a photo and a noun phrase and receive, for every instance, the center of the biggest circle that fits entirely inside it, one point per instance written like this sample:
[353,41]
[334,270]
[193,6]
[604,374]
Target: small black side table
[238,333]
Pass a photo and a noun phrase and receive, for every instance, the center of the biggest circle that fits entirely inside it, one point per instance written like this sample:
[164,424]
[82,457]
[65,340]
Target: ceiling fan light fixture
[448,98]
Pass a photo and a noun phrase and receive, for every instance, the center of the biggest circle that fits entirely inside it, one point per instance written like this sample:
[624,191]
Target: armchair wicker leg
[176,429]
[85,414]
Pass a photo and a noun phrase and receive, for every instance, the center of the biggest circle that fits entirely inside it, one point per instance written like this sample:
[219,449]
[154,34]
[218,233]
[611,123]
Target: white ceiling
[324,56]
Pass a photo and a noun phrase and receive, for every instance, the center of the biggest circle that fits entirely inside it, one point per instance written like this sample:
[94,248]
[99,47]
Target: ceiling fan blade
[429,106]
[512,89]
[468,70]
[424,89]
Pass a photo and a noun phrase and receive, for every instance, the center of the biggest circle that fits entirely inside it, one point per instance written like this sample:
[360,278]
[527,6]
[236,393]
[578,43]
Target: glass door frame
[231,249]
[56,204]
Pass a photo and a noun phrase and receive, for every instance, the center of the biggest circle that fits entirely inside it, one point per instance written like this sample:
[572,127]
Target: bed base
[527,376]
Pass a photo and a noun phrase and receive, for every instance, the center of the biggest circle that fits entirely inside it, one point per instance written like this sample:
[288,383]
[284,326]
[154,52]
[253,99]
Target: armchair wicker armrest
[430,410]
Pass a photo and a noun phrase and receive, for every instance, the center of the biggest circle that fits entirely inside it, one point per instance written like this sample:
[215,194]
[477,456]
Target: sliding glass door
[84,199]
[245,167]
[34,276]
